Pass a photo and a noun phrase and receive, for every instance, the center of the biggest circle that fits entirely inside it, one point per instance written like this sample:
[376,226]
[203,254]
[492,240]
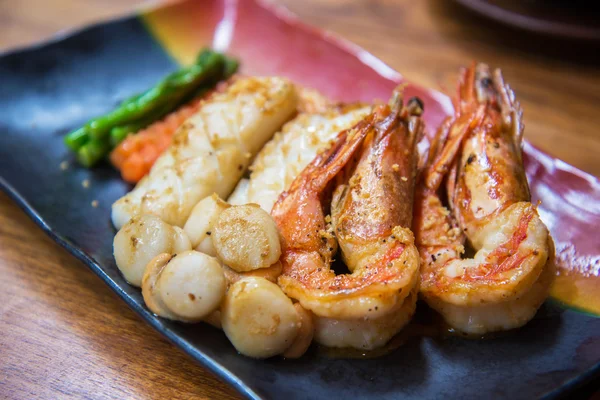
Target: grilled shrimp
[366,333]
[378,155]
[211,150]
[478,153]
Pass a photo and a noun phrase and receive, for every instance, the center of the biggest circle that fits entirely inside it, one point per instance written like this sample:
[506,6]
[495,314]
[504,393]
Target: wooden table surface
[63,333]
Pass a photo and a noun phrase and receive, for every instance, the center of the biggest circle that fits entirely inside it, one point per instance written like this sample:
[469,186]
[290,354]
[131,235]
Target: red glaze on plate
[569,198]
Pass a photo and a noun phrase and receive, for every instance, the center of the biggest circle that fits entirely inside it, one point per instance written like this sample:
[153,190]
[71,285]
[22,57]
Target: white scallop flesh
[192,285]
[258,318]
[142,239]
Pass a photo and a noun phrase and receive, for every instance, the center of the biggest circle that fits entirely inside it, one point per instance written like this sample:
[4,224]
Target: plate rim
[284,14]
[198,356]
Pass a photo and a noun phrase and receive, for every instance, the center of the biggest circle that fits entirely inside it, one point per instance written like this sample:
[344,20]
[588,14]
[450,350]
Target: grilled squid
[210,151]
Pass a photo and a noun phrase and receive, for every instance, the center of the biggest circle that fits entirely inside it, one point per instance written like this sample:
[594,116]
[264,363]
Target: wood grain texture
[62,331]
[64,334]
[557,82]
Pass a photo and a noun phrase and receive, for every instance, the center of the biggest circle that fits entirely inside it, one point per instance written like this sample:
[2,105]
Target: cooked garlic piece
[245,238]
[258,318]
[188,286]
[142,239]
[201,221]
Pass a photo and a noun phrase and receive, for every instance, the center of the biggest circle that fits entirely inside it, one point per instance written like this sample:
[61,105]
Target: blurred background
[548,49]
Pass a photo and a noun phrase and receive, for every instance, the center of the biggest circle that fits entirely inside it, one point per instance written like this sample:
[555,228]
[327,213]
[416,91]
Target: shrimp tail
[447,146]
[512,113]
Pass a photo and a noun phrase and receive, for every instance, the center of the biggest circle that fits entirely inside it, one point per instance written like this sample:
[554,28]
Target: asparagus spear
[77,138]
[92,152]
[120,132]
[231,66]
[91,141]
[170,90]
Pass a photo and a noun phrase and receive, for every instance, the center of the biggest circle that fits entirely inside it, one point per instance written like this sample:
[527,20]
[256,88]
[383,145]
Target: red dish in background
[568,19]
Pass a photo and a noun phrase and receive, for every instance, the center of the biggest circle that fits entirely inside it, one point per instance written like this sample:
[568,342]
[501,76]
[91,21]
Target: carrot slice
[133,169]
[135,155]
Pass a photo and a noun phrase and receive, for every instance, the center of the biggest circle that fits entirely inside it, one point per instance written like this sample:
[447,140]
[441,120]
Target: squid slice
[290,151]
[211,150]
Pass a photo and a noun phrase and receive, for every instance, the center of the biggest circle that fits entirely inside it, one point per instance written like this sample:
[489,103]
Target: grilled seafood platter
[286,219]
